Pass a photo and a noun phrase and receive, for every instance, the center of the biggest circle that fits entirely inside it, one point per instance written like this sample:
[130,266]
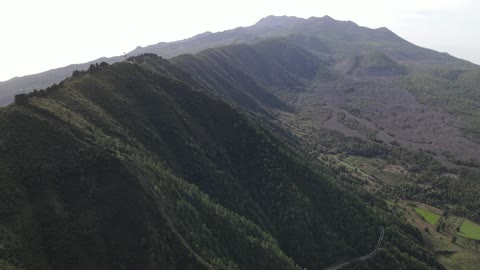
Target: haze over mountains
[284,145]
[337,39]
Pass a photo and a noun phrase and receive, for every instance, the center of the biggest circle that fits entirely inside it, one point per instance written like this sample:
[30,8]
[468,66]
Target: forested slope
[124,168]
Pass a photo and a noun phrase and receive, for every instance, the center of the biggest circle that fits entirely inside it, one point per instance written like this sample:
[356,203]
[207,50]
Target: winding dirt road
[363,258]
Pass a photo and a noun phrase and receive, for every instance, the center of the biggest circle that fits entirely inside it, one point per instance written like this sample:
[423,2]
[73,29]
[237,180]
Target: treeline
[144,57]
[22,99]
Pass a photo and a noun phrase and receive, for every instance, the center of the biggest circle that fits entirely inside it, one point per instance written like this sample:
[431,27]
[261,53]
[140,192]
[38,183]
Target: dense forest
[122,154]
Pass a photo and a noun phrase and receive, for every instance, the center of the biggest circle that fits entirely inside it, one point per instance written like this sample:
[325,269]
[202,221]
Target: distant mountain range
[323,36]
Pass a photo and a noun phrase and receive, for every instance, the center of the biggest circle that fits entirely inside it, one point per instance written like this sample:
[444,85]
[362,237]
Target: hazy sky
[37,35]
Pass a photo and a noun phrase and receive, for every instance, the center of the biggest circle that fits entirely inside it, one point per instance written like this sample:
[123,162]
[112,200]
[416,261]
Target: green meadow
[470,230]
[430,217]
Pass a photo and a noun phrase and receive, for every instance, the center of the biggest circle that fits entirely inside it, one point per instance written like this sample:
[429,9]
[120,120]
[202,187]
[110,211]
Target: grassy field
[376,167]
[470,230]
[430,217]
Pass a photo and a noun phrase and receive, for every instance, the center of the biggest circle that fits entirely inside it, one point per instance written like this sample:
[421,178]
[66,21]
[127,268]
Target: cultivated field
[470,230]
[430,217]
[463,253]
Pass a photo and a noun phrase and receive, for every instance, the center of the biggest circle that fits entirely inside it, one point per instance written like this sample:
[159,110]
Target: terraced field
[462,254]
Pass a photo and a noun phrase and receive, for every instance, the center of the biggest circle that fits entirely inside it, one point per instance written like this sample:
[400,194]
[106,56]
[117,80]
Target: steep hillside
[251,75]
[122,168]
[368,115]
[373,103]
[372,99]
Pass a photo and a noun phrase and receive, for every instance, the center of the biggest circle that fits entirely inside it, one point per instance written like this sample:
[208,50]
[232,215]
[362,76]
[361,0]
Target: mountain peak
[204,34]
[327,20]
[272,21]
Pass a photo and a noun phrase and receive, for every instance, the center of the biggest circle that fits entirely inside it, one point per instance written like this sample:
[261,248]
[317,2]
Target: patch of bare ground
[396,169]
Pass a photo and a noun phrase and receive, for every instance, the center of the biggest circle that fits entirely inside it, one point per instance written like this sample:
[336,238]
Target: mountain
[286,144]
[324,36]
[130,168]
[342,38]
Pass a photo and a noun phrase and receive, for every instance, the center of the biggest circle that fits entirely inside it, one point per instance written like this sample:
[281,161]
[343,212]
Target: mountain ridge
[251,34]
